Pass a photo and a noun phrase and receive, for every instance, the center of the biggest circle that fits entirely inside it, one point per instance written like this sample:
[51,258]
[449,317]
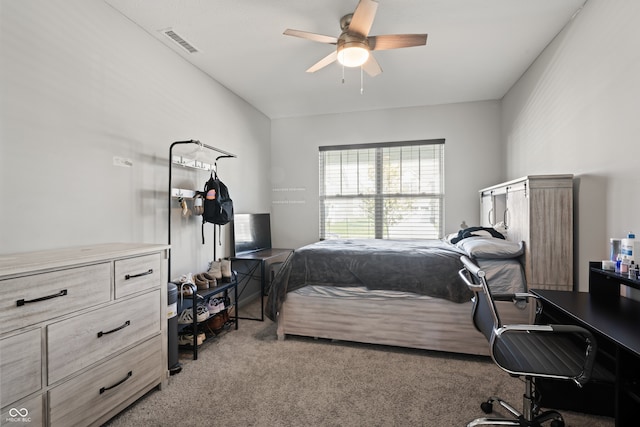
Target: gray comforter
[427,267]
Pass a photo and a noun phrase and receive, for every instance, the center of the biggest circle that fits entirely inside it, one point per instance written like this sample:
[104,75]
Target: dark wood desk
[261,259]
[615,322]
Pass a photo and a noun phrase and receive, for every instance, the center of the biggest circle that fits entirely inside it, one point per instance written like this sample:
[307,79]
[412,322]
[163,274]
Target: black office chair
[531,351]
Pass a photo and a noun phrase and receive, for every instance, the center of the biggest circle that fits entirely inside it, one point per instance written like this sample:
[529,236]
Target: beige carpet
[248,378]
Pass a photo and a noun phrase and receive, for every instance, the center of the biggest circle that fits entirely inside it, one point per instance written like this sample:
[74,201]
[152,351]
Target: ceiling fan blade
[323,62]
[396,41]
[372,67]
[363,17]
[311,36]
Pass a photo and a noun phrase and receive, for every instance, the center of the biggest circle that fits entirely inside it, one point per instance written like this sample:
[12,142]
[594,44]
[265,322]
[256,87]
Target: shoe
[215,270]
[213,283]
[213,305]
[215,323]
[187,289]
[186,317]
[200,281]
[187,339]
[225,269]
[229,312]
[185,283]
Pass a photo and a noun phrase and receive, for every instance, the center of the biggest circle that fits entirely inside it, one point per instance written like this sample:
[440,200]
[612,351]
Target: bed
[399,293]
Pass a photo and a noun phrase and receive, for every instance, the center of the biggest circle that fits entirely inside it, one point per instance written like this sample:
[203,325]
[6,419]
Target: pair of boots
[221,270]
[205,281]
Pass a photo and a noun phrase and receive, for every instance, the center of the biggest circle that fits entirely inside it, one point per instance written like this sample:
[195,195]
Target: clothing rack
[194,165]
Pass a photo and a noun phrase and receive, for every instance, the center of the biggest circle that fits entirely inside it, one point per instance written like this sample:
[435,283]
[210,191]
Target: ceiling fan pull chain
[343,74]
[361,81]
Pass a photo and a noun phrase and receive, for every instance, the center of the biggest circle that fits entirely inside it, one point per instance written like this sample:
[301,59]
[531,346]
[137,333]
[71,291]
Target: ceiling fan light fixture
[353,53]
[354,45]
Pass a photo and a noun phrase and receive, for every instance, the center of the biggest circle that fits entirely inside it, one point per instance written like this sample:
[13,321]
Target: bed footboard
[423,323]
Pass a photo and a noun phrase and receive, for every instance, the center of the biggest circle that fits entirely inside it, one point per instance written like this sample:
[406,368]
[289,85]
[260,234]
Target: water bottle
[627,246]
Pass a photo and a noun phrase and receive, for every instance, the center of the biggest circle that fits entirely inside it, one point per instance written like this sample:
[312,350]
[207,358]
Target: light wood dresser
[83,332]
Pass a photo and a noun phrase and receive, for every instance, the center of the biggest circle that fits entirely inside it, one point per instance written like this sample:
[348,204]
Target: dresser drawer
[20,366]
[137,274]
[80,341]
[87,397]
[31,299]
[28,412]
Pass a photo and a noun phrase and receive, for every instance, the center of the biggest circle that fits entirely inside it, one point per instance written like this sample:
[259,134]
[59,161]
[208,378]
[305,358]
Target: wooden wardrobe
[536,209]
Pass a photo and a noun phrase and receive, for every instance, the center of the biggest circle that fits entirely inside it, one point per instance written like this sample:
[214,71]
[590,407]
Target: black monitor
[251,232]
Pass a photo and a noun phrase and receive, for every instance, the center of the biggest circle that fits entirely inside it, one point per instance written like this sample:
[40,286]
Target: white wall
[82,84]
[472,158]
[576,111]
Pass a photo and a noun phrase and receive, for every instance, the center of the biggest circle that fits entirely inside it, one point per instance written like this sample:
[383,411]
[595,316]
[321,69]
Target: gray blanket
[427,267]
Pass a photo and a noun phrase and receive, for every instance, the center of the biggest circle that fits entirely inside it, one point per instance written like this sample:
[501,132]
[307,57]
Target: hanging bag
[218,206]
[198,204]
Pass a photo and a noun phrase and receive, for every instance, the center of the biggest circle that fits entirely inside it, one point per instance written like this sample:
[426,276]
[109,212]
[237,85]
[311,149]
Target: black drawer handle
[103,389]
[127,323]
[22,302]
[131,276]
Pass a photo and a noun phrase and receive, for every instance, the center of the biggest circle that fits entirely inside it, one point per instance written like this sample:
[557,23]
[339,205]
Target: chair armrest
[592,348]
[523,328]
[515,297]
[465,276]
[587,338]
[565,329]
[520,299]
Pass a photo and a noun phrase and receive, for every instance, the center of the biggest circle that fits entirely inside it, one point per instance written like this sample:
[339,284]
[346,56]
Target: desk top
[617,318]
[263,254]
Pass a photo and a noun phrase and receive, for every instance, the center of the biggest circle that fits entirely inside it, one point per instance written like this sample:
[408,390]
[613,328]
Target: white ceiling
[476,49]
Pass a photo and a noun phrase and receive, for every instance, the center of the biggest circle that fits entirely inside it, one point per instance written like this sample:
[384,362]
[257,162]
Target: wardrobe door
[551,239]
[493,206]
[487,212]
[517,218]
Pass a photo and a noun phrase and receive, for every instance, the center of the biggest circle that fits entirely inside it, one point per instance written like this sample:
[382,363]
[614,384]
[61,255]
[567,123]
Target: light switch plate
[122,161]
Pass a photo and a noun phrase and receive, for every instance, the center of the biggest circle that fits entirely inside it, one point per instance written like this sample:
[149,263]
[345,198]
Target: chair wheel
[487,408]
[557,423]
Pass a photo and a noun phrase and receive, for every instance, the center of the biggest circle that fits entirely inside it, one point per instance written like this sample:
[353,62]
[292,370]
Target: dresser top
[26,262]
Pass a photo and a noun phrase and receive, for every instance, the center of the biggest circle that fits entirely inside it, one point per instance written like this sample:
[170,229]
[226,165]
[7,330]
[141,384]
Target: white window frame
[346,183]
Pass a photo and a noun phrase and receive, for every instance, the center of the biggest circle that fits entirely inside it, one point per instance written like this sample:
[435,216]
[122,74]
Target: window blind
[384,190]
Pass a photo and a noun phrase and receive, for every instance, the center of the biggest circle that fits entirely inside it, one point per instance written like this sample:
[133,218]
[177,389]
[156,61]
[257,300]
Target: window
[382,191]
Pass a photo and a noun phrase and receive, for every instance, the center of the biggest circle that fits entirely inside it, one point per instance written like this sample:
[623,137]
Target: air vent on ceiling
[179,40]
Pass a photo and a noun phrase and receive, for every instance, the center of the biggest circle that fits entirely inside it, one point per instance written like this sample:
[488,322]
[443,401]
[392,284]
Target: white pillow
[451,236]
[490,247]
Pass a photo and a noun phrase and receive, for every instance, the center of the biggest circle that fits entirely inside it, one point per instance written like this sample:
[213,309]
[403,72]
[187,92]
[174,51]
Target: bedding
[487,248]
[507,274]
[420,267]
[476,231]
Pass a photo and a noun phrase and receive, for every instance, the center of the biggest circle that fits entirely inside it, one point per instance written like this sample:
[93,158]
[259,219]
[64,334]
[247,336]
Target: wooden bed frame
[423,323]
[437,324]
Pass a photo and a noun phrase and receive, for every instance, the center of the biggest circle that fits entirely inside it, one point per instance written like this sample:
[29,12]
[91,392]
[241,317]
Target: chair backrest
[484,313]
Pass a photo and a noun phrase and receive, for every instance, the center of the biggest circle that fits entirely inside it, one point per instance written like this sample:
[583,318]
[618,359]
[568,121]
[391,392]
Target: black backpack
[218,206]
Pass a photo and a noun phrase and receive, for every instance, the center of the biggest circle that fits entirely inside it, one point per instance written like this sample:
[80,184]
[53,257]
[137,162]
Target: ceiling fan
[354,45]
